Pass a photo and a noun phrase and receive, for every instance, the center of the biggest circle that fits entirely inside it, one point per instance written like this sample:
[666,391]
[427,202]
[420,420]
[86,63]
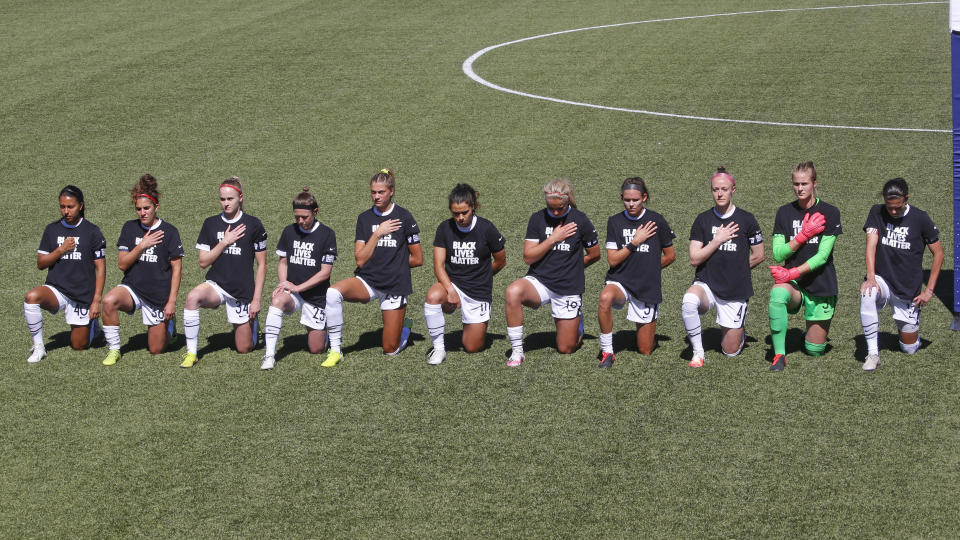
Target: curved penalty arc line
[469,71]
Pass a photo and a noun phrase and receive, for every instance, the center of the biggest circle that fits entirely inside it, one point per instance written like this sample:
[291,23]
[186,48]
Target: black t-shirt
[823,280]
[305,252]
[149,276]
[561,269]
[233,269]
[640,272]
[74,274]
[469,255]
[900,250]
[388,269]
[727,271]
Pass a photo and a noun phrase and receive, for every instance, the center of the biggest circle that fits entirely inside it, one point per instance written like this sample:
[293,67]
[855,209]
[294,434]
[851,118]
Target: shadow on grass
[453,341]
[944,289]
[626,340]
[794,344]
[138,342]
[223,340]
[712,337]
[374,340]
[61,340]
[886,341]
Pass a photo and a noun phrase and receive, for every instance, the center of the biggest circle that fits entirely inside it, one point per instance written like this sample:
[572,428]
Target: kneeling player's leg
[815,342]
[909,336]
[870,319]
[158,336]
[694,303]
[393,329]
[732,342]
[783,298]
[611,295]
[647,337]
[474,336]
[568,332]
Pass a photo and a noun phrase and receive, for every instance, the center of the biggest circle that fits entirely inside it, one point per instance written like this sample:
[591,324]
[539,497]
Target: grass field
[293,93]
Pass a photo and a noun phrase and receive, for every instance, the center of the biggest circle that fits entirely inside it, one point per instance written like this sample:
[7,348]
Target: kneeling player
[150,255]
[896,235]
[467,252]
[725,243]
[307,250]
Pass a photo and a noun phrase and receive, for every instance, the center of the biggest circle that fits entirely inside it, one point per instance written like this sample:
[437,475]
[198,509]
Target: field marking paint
[468,70]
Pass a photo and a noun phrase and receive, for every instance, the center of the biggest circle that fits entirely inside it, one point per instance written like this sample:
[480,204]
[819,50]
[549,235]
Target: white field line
[468,70]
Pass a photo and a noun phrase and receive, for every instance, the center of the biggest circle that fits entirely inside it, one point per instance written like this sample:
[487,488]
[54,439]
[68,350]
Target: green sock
[814,349]
[779,297]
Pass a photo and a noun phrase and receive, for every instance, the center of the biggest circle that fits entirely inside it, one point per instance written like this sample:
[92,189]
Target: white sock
[870,321]
[334,315]
[606,342]
[34,317]
[911,348]
[112,335]
[515,334]
[433,314]
[191,328]
[271,330]
[691,320]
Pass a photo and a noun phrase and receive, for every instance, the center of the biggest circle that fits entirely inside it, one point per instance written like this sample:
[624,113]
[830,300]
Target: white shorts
[311,316]
[561,306]
[472,311]
[237,312]
[904,310]
[388,302]
[76,314]
[149,313]
[637,311]
[730,313]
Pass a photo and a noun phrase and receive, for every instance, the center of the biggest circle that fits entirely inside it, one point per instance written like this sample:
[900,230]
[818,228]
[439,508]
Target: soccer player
[150,255]
[804,233]
[228,245]
[559,244]
[639,245]
[725,243]
[896,235]
[72,250]
[467,252]
[386,247]
[307,249]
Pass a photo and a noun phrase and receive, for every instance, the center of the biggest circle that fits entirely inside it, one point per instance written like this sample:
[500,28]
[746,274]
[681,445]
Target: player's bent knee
[690,303]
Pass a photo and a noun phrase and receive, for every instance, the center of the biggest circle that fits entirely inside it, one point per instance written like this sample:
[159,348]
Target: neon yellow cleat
[111,358]
[333,358]
[189,360]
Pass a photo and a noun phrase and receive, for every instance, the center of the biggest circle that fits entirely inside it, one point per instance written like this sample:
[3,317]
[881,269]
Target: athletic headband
[231,186]
[297,206]
[385,171]
[634,186]
[147,195]
[724,175]
[558,195]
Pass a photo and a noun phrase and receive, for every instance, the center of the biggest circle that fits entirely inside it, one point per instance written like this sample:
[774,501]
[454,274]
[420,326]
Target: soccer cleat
[580,329]
[189,360]
[94,331]
[779,362]
[112,356]
[871,362]
[606,360]
[37,354]
[697,360]
[515,359]
[436,356]
[268,363]
[333,358]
